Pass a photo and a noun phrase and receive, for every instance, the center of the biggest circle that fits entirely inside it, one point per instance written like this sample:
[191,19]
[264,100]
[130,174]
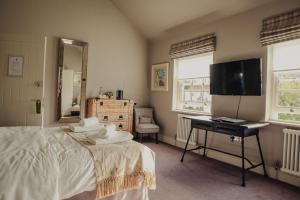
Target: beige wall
[117,52]
[237,38]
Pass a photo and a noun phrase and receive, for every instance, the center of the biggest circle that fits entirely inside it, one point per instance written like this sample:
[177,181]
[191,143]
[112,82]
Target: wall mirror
[72,74]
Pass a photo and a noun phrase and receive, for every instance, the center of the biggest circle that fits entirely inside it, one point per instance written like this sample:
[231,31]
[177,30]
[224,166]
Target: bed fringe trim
[113,185]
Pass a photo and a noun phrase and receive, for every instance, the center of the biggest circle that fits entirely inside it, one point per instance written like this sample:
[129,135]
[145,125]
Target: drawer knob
[121,117]
[105,118]
[120,126]
[125,103]
[101,103]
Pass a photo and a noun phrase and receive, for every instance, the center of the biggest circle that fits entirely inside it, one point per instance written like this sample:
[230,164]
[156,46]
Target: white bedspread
[46,164]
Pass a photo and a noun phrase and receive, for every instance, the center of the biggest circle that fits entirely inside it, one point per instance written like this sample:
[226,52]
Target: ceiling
[154,17]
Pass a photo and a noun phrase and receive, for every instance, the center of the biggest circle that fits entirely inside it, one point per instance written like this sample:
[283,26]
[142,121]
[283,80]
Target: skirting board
[275,174]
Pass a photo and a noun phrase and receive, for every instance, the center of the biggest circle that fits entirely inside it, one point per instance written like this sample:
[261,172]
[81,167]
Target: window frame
[175,96]
[273,90]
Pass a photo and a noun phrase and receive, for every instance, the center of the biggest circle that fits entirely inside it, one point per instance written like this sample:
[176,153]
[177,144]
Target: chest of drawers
[118,112]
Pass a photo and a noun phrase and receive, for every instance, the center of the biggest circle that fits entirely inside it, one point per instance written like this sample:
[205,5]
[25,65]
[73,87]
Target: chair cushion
[145,120]
[147,128]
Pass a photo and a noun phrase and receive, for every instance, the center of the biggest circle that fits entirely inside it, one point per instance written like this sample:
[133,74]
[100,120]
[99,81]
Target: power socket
[235,139]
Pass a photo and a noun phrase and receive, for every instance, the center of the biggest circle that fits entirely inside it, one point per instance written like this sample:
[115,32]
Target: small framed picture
[15,65]
[159,77]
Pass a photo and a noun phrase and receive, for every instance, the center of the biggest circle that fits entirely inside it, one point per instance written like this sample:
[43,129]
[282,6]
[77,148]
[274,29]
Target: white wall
[117,53]
[237,38]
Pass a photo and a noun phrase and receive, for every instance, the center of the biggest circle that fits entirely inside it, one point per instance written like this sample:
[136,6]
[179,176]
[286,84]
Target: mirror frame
[62,43]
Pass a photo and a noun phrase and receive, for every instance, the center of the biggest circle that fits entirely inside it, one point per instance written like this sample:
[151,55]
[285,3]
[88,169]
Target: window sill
[288,124]
[191,112]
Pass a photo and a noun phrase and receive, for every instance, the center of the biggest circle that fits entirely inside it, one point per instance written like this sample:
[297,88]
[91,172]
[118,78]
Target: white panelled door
[19,95]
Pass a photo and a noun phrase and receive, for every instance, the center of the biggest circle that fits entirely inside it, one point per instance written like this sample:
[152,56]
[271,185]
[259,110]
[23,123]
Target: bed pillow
[145,120]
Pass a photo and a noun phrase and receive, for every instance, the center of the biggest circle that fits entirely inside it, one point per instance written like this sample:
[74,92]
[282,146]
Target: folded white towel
[80,129]
[87,122]
[111,127]
[103,132]
[112,137]
[106,130]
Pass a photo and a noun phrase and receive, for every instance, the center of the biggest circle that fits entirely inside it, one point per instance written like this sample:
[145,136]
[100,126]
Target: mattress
[46,164]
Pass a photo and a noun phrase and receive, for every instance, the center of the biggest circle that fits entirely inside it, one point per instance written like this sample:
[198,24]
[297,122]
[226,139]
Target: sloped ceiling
[153,17]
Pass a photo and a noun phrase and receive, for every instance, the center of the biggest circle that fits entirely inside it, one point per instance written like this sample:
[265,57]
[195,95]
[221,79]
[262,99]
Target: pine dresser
[118,112]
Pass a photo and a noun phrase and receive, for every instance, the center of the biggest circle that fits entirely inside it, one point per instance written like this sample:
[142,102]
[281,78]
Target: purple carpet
[199,178]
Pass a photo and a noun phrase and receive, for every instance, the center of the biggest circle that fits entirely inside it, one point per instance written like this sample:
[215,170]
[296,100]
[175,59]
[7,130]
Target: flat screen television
[241,77]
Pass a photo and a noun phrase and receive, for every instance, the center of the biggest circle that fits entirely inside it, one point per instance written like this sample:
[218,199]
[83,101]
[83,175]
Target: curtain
[280,28]
[199,45]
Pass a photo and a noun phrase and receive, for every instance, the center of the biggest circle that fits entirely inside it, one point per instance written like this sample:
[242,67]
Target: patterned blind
[281,28]
[203,44]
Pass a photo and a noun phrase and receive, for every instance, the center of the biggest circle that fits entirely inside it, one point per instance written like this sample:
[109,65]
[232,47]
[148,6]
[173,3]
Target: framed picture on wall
[15,65]
[159,77]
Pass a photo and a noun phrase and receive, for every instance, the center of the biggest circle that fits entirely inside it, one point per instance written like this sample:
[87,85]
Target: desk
[243,130]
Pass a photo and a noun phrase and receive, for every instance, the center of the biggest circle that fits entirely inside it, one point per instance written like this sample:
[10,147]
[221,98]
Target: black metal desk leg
[243,163]
[205,143]
[261,155]
[186,145]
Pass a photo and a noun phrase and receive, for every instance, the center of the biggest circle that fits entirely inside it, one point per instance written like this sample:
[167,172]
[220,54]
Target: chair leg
[141,137]
[156,138]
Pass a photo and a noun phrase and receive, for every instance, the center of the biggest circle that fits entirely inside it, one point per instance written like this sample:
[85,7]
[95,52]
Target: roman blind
[199,45]
[280,28]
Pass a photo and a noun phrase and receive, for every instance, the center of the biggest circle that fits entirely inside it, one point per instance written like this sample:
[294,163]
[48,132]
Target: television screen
[236,78]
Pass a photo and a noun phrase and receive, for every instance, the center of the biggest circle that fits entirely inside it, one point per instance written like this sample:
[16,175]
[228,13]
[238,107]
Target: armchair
[144,123]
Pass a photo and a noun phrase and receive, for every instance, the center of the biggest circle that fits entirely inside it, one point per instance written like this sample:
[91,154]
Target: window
[191,83]
[284,98]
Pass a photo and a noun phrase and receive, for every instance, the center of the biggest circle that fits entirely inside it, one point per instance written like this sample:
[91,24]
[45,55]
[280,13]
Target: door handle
[38,106]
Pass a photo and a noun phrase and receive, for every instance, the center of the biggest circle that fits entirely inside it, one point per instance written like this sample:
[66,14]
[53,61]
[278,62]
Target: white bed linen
[47,164]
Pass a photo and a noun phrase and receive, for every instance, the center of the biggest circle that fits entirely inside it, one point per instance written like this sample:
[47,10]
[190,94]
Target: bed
[49,164]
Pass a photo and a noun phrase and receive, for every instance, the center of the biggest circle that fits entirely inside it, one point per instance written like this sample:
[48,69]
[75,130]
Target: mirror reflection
[71,81]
